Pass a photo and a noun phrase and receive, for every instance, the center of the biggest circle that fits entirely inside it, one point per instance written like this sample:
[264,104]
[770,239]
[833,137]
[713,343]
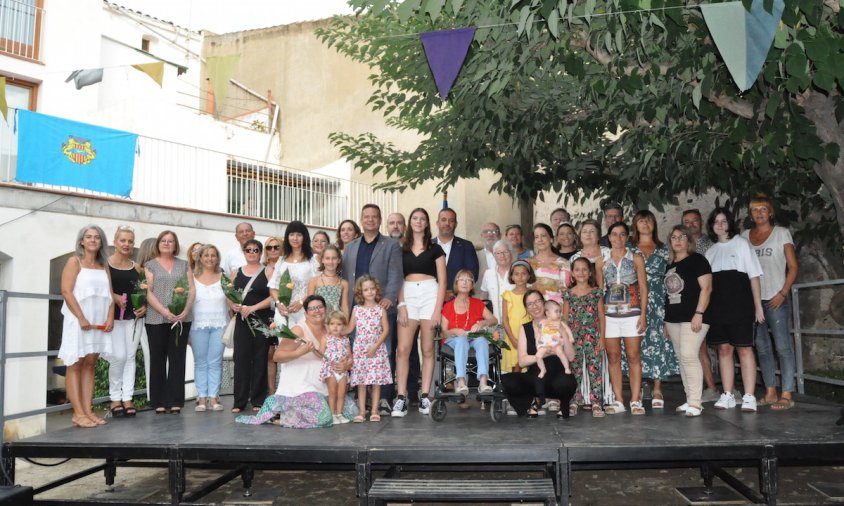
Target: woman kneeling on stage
[521,388]
[301,400]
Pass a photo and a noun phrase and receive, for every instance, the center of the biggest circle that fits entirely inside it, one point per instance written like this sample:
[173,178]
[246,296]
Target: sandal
[176,411]
[597,411]
[572,409]
[657,402]
[783,404]
[375,417]
[532,411]
[83,422]
[636,408]
[693,411]
[359,419]
[160,411]
[216,406]
[130,410]
[235,410]
[117,410]
[615,408]
[200,405]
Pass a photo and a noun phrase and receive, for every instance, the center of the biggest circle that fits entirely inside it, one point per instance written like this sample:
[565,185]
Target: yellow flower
[179,289]
[142,286]
[273,325]
[290,286]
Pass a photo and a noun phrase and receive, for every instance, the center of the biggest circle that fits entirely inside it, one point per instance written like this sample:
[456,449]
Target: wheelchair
[446,382]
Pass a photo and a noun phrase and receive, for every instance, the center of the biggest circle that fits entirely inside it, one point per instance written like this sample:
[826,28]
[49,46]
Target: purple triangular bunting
[446,50]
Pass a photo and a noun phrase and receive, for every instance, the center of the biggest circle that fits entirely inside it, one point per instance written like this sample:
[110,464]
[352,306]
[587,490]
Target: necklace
[465,316]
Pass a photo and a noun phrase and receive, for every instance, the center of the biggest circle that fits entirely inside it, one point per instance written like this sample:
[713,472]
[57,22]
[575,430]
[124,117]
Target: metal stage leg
[563,477]
[768,476]
[363,469]
[247,476]
[8,463]
[176,475]
[110,472]
[707,474]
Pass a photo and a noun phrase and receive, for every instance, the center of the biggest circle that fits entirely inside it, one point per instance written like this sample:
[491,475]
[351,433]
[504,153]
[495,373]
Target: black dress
[520,387]
[250,351]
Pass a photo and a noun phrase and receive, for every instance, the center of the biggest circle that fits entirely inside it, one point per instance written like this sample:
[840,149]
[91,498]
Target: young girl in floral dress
[371,365]
[337,348]
[583,306]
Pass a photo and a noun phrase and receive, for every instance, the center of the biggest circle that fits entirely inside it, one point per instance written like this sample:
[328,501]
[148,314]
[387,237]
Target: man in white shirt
[490,234]
[234,258]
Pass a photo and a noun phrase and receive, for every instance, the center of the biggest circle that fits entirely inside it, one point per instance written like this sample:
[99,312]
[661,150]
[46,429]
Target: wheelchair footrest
[403,489]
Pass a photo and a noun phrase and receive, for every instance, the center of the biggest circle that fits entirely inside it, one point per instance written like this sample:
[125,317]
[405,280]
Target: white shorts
[421,298]
[624,326]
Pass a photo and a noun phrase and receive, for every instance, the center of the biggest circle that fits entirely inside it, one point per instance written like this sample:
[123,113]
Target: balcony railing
[189,177]
[20,28]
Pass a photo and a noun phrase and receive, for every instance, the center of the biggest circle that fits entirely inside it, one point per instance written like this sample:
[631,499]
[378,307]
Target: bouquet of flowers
[179,301]
[281,332]
[139,291]
[235,295]
[494,334]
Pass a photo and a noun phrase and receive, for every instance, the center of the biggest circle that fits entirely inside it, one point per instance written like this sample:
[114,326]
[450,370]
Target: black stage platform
[466,440]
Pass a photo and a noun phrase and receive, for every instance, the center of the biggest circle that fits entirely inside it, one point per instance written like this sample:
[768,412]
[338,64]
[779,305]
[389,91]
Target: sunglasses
[273,247]
[251,250]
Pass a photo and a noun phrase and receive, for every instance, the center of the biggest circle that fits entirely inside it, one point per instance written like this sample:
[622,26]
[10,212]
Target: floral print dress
[588,361]
[366,370]
[659,361]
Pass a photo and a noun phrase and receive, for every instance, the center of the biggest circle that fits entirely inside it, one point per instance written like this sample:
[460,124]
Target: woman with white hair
[494,281]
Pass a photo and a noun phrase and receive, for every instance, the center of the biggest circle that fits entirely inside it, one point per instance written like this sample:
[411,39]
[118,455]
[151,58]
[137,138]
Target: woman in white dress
[88,318]
[297,259]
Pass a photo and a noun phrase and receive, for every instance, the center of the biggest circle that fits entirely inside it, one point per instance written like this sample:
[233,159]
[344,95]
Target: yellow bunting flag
[154,70]
[4,108]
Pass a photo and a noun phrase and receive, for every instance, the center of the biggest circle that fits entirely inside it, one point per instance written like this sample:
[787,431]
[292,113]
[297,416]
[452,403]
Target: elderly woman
[347,232]
[590,248]
[553,274]
[250,347]
[301,399]
[167,332]
[494,281]
[88,318]
[461,315]
[520,387]
[688,283]
[210,315]
[566,241]
[125,337]
[775,251]
[658,358]
[736,304]
[298,260]
[626,310]
[514,234]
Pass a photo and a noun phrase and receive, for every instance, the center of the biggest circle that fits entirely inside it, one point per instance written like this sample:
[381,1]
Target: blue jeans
[776,320]
[208,360]
[460,345]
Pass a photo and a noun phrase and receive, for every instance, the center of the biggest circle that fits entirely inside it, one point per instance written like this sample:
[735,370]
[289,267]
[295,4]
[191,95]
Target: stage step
[401,489]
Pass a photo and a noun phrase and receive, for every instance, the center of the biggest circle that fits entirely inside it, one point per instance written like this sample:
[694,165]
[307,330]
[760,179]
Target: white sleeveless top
[301,375]
[93,293]
[209,307]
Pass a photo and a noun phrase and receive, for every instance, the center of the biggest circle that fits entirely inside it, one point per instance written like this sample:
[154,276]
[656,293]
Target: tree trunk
[526,220]
[820,109]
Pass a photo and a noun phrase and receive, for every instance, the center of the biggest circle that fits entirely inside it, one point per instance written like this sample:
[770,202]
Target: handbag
[228,333]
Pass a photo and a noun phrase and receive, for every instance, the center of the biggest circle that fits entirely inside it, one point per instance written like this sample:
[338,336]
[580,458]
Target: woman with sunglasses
[301,400]
[272,252]
[250,346]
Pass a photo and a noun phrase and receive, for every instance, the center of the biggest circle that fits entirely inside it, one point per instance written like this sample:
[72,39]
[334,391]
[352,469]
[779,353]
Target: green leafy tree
[545,80]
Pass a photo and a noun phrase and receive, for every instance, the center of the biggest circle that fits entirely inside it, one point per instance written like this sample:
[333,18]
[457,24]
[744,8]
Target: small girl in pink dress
[371,365]
[337,348]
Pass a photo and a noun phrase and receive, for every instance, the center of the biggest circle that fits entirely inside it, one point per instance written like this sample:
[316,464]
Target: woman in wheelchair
[521,388]
[466,314]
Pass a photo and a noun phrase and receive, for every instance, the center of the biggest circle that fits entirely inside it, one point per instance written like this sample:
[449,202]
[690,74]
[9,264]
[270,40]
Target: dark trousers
[520,388]
[166,382]
[250,366]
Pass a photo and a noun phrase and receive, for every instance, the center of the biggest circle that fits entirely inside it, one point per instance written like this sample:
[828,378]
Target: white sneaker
[727,401]
[425,405]
[748,403]
[709,395]
[399,408]
[509,409]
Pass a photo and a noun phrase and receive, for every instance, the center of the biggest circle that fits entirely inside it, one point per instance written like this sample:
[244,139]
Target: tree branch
[736,106]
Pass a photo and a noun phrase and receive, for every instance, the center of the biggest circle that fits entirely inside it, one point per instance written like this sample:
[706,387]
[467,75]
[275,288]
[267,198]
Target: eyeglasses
[273,247]
[678,238]
[501,253]
[537,302]
[251,250]
[315,309]
[490,232]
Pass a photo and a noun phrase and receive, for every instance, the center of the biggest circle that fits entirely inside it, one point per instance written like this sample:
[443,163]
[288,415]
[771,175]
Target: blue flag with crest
[61,152]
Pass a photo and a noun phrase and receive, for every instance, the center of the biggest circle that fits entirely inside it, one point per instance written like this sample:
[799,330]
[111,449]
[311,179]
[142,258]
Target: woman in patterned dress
[658,358]
[552,271]
[298,260]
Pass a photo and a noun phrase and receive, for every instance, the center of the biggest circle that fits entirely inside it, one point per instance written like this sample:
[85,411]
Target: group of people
[579,309]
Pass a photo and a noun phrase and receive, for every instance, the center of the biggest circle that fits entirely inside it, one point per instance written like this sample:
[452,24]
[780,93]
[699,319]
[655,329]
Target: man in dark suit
[379,256]
[459,253]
